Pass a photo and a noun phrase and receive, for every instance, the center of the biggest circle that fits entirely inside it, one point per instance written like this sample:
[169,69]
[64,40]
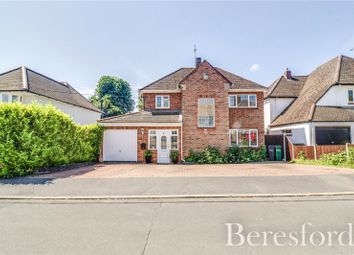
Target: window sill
[243,107]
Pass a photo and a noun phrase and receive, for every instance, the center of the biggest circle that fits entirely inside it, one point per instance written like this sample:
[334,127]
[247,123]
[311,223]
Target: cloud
[255,68]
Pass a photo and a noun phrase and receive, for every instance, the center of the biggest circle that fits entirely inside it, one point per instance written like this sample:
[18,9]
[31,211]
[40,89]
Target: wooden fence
[314,152]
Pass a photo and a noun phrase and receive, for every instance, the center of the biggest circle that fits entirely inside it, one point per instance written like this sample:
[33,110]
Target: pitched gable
[171,81]
[286,88]
[205,66]
[12,80]
[339,70]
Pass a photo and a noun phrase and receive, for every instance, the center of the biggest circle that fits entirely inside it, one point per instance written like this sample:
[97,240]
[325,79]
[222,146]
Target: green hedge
[33,137]
[234,154]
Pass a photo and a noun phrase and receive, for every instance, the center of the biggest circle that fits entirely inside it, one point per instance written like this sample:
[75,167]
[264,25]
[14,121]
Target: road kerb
[167,197]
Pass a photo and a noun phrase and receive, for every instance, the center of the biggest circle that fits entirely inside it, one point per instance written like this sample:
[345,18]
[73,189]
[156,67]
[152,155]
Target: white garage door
[120,145]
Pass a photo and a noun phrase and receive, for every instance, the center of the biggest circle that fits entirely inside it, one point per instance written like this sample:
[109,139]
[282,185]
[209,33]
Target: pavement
[162,180]
[186,228]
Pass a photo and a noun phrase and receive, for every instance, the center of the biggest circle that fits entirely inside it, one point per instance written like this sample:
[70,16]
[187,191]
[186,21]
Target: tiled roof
[144,117]
[239,82]
[172,80]
[328,113]
[28,80]
[339,70]
[286,88]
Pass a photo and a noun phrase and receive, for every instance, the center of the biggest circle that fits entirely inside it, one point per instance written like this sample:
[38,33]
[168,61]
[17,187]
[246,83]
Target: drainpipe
[284,145]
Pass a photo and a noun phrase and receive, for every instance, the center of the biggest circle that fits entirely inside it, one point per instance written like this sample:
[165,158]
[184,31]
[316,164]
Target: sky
[140,42]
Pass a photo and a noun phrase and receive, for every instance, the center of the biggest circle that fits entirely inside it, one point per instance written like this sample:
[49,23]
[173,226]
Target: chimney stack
[198,61]
[287,74]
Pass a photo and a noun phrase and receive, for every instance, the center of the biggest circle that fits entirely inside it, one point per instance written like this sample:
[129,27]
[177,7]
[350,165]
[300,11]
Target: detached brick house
[188,109]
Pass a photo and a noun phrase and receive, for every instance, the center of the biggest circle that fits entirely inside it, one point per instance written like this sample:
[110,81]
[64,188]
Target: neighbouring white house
[317,109]
[27,86]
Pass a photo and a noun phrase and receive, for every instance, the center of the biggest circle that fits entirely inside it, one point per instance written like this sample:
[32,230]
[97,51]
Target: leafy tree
[140,103]
[113,95]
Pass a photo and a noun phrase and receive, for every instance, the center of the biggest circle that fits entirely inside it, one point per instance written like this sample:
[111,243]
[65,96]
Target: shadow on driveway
[26,181]
[48,178]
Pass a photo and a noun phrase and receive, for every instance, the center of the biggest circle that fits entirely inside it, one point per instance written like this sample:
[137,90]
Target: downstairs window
[244,137]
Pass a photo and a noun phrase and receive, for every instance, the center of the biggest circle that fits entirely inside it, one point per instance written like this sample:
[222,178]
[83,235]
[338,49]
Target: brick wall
[143,138]
[194,87]
[149,100]
[249,118]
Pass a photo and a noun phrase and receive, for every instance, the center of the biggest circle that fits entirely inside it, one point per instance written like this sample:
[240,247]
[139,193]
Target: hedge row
[33,137]
[234,154]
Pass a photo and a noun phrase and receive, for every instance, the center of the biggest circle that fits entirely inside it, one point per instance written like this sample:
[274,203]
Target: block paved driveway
[125,170]
[142,179]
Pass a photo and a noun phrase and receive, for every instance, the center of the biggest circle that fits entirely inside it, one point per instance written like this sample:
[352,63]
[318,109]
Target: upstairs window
[162,102]
[9,98]
[206,112]
[242,101]
[351,96]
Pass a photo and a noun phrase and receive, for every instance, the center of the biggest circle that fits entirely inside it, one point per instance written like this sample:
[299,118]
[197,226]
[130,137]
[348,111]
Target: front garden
[34,137]
[340,159]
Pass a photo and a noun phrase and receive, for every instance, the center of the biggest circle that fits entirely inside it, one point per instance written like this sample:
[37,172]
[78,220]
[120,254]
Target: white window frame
[162,102]
[177,135]
[248,97]
[203,126]
[10,95]
[352,90]
[156,130]
[249,134]
[149,145]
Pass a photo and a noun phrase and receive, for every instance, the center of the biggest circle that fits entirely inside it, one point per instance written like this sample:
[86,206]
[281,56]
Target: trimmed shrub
[210,155]
[234,154]
[34,137]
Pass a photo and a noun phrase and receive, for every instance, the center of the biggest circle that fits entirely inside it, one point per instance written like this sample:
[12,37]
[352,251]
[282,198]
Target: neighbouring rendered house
[188,109]
[27,86]
[317,109]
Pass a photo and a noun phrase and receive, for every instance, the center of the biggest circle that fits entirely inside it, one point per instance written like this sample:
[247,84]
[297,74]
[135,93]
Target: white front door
[163,146]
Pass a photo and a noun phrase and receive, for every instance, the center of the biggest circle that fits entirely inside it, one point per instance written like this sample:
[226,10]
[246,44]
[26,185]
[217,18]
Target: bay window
[244,137]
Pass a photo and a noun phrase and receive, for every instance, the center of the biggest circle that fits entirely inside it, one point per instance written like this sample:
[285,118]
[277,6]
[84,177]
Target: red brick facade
[194,87]
[150,104]
[249,118]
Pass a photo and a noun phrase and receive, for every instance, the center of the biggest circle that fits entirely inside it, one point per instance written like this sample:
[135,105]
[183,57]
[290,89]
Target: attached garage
[120,145]
[127,137]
